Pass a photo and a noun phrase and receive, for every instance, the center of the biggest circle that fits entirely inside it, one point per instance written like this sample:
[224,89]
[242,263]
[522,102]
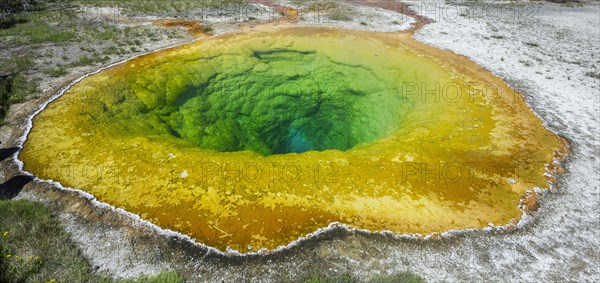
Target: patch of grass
[35,248]
[56,72]
[83,61]
[400,277]
[21,89]
[338,15]
[578,63]
[525,62]
[159,8]
[5,90]
[404,277]
[110,50]
[532,44]
[20,63]
[165,277]
[86,60]
[344,278]
[103,32]
[595,75]
[14,88]
[41,27]
[11,21]
[207,29]
[106,35]
[325,6]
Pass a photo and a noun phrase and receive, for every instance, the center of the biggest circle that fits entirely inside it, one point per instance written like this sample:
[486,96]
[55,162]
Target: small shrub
[110,50]
[403,277]
[532,44]
[340,16]
[207,29]
[594,75]
[56,72]
[21,88]
[84,60]
[526,63]
[165,277]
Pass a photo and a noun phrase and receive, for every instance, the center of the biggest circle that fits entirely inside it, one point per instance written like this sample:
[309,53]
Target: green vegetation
[207,29]
[333,10]
[404,277]
[13,89]
[527,63]
[595,75]
[340,16]
[532,44]
[56,72]
[41,27]
[86,60]
[17,6]
[165,277]
[34,248]
[21,87]
[158,8]
[5,85]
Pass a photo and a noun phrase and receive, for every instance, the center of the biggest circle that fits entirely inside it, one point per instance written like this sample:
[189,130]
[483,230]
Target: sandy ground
[545,52]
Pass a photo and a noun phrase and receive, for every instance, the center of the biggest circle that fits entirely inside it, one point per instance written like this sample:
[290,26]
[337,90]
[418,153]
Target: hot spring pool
[251,140]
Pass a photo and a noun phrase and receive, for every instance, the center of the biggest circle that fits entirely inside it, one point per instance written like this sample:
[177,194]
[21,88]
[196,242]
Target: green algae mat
[254,139]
